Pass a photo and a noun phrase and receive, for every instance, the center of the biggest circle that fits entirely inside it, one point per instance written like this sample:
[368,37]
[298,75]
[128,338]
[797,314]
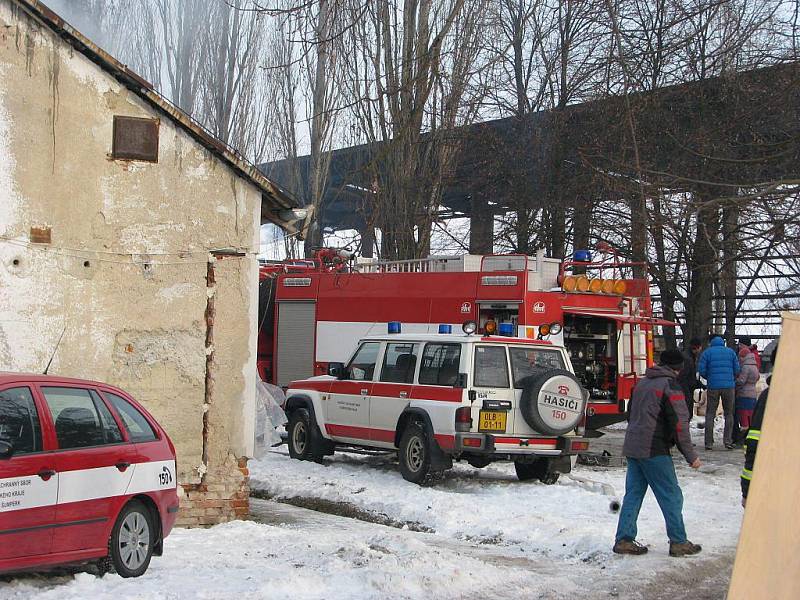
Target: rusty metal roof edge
[145,90]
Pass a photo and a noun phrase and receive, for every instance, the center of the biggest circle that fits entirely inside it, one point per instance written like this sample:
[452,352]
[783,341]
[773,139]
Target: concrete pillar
[367,233]
[481,226]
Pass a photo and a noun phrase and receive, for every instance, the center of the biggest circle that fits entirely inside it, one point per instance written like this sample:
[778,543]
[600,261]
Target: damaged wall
[124,274]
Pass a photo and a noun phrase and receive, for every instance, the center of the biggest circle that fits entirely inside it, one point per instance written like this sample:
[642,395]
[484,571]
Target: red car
[86,474]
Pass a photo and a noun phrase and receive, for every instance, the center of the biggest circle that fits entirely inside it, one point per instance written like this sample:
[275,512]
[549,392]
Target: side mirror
[6,449]
[336,369]
[461,381]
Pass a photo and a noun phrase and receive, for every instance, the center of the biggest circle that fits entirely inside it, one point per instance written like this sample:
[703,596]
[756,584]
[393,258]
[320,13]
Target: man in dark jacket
[719,366]
[688,375]
[658,420]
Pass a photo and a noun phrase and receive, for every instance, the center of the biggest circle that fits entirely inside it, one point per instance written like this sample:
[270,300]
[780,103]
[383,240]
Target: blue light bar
[445,329]
[506,329]
[582,256]
[394,326]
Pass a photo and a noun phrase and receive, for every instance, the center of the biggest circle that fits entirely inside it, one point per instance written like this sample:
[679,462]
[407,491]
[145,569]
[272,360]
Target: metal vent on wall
[135,139]
[295,355]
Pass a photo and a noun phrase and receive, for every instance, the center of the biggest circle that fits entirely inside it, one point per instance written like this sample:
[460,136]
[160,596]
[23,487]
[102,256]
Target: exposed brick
[223,495]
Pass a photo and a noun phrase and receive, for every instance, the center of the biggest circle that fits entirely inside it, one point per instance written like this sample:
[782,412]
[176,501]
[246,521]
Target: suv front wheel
[301,439]
[538,469]
[415,455]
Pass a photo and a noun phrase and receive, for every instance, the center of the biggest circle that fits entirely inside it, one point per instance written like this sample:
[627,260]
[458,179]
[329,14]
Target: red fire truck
[313,312]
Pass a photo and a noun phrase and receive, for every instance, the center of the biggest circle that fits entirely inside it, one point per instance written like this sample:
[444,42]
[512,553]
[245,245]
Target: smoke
[90,17]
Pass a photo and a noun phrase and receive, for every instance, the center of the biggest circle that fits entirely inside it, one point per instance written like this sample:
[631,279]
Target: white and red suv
[441,397]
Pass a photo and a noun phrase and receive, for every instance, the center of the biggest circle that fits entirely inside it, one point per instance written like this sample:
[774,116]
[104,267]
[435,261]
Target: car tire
[414,454]
[132,540]
[538,469]
[301,438]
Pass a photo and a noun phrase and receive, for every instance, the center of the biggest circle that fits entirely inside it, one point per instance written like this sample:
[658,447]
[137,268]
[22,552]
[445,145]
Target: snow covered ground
[478,534]
[251,560]
[569,521]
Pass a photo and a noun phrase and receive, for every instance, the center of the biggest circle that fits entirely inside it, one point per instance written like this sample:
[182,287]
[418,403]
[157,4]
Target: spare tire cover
[553,402]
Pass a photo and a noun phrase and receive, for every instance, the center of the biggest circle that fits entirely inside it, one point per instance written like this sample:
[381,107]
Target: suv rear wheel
[538,469]
[415,455]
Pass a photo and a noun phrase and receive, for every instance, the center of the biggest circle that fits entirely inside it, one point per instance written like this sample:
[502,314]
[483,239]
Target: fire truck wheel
[415,455]
[553,402]
[301,435]
[479,462]
[132,538]
[539,469]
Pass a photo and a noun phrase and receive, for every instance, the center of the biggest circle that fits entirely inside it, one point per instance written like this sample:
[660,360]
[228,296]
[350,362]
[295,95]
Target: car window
[139,429]
[362,367]
[399,363]
[440,364]
[19,420]
[81,419]
[110,428]
[532,361]
[491,367]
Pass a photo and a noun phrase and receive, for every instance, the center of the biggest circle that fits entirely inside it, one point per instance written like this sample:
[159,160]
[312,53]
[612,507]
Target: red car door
[28,480]
[93,461]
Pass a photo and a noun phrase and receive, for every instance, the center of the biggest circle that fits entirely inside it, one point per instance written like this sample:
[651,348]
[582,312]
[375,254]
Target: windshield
[532,361]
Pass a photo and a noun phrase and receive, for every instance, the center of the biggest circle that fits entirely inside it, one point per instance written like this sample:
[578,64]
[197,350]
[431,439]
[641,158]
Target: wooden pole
[768,557]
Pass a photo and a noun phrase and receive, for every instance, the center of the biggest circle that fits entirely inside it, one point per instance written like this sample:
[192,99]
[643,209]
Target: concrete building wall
[125,275]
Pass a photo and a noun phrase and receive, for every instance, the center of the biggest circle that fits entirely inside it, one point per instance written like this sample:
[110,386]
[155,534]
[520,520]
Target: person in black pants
[687,378]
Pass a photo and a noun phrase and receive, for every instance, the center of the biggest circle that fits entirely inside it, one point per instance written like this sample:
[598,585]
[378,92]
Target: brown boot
[687,548]
[629,547]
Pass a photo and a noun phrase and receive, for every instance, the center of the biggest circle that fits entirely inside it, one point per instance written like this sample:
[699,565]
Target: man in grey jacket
[658,419]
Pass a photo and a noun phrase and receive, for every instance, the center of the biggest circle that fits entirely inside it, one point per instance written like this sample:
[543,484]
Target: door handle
[364,392]
[404,394]
[46,474]
[122,465]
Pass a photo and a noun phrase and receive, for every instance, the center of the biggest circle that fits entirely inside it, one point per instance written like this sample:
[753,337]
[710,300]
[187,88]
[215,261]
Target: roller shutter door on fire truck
[295,351]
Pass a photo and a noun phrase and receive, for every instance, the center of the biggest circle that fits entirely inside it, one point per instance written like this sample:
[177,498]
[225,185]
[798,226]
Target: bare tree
[232,82]
[407,84]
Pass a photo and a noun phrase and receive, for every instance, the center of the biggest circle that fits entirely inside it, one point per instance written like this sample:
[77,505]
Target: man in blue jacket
[719,366]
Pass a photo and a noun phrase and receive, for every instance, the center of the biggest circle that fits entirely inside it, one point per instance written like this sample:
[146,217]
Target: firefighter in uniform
[754,436]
